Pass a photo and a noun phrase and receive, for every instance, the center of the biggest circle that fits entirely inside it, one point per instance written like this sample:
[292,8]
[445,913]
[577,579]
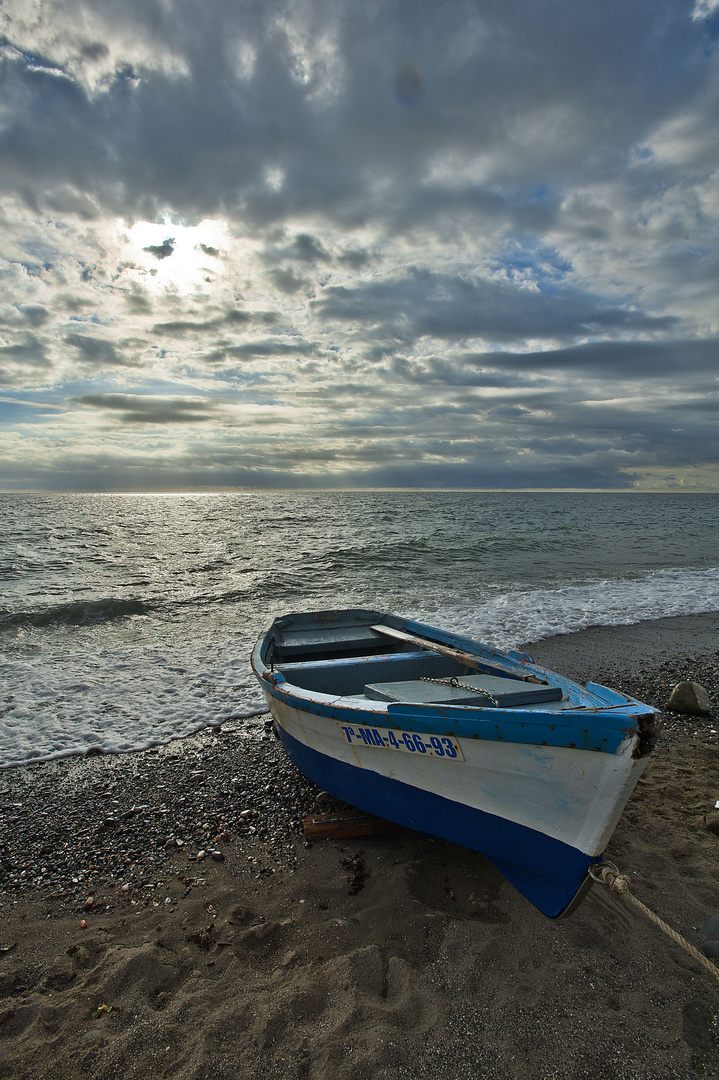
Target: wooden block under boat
[345,825]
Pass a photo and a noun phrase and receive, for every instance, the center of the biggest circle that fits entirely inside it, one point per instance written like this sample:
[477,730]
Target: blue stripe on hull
[604,732]
[547,871]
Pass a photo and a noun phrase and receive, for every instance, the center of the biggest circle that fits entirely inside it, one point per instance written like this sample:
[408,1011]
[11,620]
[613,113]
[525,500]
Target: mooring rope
[619,885]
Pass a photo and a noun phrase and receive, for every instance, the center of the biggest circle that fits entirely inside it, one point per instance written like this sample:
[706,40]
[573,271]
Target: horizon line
[244,490]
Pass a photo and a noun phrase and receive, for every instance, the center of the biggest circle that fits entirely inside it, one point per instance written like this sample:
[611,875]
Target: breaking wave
[79,613]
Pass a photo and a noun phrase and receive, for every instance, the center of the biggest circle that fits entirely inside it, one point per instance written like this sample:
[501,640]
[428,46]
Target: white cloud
[703,9]
[369,243]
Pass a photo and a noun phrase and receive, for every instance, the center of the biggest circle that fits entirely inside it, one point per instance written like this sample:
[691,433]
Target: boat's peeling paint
[466,722]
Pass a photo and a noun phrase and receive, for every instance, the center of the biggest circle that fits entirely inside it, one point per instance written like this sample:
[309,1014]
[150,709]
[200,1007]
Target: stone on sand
[708,938]
[690,698]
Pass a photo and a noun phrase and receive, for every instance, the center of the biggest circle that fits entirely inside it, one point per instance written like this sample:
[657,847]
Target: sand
[396,957]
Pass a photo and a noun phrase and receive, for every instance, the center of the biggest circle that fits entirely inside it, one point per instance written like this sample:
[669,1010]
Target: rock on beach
[690,698]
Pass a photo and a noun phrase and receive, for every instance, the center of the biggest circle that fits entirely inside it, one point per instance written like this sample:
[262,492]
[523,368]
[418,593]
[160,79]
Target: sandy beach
[163,916]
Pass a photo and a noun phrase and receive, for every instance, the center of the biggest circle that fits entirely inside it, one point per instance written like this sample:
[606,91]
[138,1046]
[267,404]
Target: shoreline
[597,654]
[621,649]
[395,957]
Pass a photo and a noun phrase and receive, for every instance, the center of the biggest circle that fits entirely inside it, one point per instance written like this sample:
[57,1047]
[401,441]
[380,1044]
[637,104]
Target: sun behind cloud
[168,254]
[460,245]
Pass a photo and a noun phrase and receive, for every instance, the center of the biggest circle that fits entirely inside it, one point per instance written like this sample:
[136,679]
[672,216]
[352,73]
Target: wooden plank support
[477,662]
[338,826]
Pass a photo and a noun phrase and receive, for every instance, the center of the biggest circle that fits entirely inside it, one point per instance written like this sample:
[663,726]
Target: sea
[127,620]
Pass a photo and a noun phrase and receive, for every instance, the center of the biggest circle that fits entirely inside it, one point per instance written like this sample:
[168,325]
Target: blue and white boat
[436,732]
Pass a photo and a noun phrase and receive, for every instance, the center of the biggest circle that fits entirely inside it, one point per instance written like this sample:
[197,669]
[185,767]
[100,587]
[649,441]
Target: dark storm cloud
[109,472]
[25,315]
[450,307]
[138,302]
[707,405]
[236,317]
[556,426]
[73,303]
[138,409]
[19,360]
[467,371]
[630,359]
[98,352]
[94,50]
[323,97]
[287,283]
[308,252]
[252,349]
[163,250]
[31,352]
[407,81]
[355,258]
[304,248]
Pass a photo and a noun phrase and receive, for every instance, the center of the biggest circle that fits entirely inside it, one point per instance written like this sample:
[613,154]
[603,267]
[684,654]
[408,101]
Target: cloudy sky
[348,243]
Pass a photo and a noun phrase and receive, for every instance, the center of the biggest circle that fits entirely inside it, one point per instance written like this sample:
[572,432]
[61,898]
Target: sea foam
[129,620]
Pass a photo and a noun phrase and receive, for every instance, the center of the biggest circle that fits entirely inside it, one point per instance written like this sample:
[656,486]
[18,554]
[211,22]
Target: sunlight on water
[128,619]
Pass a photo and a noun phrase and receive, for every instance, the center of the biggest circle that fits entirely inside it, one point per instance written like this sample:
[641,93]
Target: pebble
[79,852]
[711,930]
[712,822]
[51,812]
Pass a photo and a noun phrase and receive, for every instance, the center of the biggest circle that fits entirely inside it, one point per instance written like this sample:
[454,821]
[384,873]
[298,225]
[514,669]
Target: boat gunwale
[612,723]
[512,724]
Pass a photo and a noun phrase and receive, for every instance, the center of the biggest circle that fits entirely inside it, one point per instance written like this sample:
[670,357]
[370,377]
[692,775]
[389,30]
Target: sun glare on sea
[181,257]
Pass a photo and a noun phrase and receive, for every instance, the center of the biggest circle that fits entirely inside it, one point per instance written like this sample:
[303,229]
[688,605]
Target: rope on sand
[619,885]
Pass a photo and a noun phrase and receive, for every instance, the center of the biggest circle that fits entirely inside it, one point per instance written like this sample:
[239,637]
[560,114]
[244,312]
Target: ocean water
[127,620]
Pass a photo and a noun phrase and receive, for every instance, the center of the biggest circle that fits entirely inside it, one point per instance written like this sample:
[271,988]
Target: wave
[518,616]
[78,613]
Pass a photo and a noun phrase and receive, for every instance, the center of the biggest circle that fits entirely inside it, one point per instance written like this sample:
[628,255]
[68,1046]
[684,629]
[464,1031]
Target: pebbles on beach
[77,826]
[129,949]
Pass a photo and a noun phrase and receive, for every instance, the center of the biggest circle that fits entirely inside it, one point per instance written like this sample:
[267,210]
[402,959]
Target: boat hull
[541,815]
[380,711]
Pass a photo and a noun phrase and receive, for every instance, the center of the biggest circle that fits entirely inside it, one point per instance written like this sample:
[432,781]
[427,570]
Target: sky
[385,244]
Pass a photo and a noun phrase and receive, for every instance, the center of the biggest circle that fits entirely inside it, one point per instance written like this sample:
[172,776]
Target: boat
[434,731]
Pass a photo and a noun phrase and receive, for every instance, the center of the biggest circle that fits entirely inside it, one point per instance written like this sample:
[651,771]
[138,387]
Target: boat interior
[363,660]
